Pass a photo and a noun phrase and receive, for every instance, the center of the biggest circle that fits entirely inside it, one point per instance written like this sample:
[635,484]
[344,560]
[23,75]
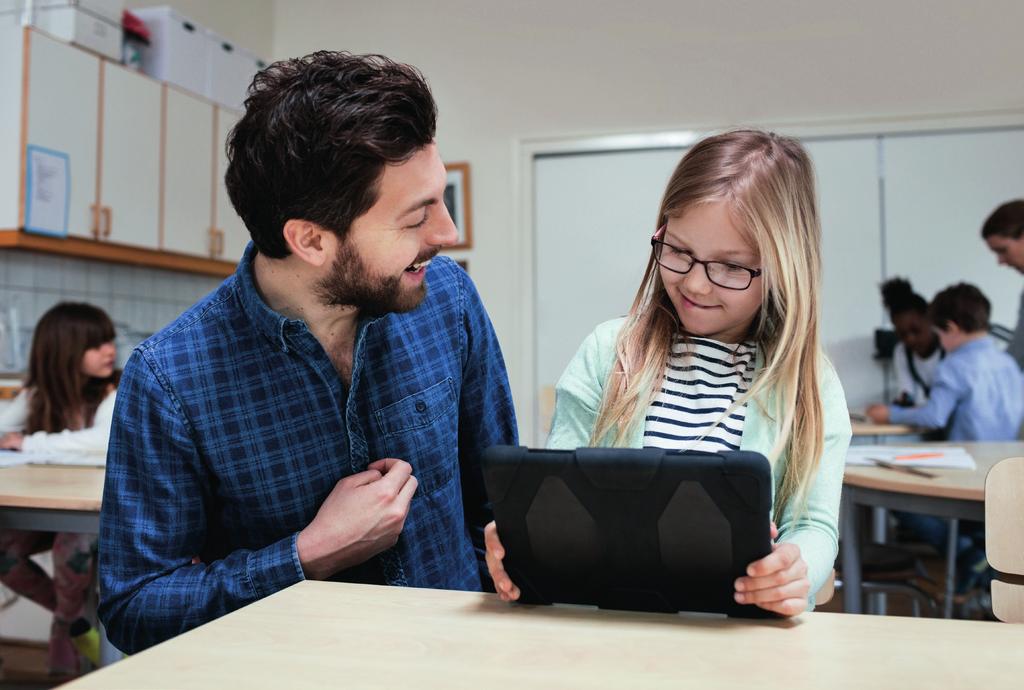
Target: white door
[188,174]
[130,158]
[236,235]
[63,116]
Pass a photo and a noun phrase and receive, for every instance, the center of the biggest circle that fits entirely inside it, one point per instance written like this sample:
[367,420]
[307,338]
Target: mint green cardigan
[578,397]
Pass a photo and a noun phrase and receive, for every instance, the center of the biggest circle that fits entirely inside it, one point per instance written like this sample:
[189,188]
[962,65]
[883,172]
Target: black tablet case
[642,530]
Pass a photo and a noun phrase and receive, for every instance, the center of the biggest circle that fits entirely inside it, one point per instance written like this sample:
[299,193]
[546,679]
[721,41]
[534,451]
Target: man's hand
[362,516]
[11,441]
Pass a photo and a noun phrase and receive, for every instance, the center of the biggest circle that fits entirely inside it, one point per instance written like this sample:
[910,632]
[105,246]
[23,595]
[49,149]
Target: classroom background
[570,116]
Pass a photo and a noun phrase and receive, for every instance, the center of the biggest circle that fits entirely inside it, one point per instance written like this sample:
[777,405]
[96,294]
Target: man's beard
[350,283]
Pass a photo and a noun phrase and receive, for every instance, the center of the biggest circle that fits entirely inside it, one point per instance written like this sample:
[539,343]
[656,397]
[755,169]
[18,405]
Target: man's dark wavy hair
[316,135]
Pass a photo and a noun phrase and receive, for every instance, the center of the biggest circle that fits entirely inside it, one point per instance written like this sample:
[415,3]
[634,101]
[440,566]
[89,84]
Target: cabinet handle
[95,229]
[108,221]
[213,242]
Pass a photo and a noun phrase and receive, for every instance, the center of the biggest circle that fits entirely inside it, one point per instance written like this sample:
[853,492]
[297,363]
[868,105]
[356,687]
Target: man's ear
[310,242]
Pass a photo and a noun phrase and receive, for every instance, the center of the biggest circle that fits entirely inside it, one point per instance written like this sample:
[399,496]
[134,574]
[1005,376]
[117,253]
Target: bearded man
[321,414]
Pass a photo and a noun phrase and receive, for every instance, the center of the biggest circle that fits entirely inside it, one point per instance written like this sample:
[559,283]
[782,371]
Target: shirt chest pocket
[422,429]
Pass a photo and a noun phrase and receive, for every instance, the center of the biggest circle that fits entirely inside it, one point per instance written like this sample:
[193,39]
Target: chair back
[1004,537]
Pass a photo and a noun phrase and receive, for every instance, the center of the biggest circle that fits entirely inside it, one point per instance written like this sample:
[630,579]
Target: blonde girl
[721,350]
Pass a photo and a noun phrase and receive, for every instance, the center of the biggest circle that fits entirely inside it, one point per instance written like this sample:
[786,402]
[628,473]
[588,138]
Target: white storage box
[179,50]
[111,10]
[231,71]
[91,24]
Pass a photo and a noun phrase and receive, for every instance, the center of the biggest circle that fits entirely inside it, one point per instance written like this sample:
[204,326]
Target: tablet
[635,529]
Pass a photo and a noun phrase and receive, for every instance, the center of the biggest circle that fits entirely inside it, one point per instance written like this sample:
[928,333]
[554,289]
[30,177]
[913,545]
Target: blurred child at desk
[917,355]
[979,391]
[66,405]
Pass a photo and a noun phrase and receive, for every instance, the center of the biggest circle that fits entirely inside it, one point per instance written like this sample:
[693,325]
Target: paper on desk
[11,459]
[940,457]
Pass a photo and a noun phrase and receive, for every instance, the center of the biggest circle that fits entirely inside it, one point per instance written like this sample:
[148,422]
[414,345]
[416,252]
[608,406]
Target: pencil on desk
[917,456]
[885,464]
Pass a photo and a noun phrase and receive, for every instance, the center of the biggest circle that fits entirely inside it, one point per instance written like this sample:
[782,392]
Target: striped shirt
[702,379]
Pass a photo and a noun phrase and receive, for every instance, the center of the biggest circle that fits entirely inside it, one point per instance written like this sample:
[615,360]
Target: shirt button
[421,406]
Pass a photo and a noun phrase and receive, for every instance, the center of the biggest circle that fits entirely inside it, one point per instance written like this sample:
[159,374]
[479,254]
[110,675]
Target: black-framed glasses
[721,273]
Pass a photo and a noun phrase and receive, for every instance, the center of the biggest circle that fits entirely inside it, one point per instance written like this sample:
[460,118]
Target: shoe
[86,640]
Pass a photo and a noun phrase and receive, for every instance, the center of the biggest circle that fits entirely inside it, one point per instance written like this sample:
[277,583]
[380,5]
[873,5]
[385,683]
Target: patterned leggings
[65,594]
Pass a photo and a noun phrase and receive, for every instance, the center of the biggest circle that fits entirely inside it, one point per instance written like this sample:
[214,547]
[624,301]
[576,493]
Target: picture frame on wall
[458,200]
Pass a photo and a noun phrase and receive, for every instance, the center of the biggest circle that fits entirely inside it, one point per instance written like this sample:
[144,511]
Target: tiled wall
[139,300]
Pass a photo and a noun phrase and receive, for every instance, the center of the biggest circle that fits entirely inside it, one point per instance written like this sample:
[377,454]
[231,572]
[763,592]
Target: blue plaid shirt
[232,426]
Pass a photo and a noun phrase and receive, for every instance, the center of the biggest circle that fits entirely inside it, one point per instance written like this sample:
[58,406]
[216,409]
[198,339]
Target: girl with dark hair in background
[919,351]
[66,406]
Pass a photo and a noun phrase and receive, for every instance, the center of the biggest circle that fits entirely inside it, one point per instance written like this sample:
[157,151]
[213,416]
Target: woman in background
[66,406]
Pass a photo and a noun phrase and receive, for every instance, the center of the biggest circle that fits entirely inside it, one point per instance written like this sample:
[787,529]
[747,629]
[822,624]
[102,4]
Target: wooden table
[327,634]
[51,498]
[55,498]
[876,433]
[954,494]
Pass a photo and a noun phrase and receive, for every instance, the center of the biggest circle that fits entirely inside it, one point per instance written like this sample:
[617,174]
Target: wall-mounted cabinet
[145,161]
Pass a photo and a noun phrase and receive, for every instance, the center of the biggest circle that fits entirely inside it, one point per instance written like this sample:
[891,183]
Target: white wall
[505,72]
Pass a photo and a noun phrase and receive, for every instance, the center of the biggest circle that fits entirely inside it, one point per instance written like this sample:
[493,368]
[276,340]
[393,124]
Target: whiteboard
[939,189]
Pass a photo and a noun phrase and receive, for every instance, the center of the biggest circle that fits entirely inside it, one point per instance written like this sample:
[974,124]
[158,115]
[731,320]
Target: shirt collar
[979,344]
[272,324]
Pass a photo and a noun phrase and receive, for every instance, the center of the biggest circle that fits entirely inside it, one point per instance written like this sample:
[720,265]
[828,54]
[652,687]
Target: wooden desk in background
[54,498]
[329,634]
[953,494]
[51,498]
[877,433]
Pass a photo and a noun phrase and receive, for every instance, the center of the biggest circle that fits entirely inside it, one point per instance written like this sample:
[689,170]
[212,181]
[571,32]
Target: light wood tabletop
[324,634]
[51,487]
[872,429]
[960,484]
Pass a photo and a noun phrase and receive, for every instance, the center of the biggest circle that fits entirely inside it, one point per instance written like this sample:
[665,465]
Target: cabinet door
[188,173]
[236,235]
[130,158]
[63,115]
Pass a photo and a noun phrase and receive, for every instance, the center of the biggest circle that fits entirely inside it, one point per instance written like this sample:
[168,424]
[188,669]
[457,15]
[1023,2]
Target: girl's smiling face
[708,232]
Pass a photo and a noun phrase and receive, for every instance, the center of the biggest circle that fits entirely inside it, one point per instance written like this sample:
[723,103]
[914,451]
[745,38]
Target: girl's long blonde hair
[768,182]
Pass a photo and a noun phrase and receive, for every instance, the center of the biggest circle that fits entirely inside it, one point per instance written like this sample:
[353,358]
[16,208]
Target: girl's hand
[778,582]
[11,441]
[495,552]
[879,414]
